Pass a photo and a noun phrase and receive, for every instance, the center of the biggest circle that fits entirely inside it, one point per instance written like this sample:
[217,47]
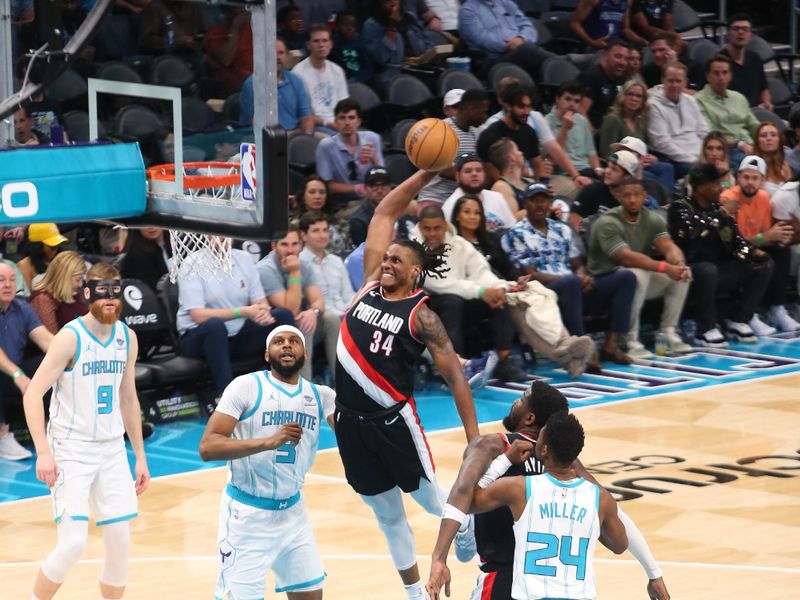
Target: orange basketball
[431,144]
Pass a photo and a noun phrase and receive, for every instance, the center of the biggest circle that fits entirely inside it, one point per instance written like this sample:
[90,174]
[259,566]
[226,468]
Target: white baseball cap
[453,97]
[754,162]
[627,160]
[631,143]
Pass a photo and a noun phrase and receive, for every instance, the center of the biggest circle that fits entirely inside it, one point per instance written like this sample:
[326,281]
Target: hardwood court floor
[735,533]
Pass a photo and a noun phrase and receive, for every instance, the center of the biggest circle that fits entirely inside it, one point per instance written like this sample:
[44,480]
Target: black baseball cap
[466,157]
[705,173]
[376,174]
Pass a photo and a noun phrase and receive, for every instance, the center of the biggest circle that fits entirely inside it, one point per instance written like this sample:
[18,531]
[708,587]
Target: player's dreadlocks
[432,260]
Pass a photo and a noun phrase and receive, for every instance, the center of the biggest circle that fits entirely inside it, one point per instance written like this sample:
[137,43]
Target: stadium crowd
[647,174]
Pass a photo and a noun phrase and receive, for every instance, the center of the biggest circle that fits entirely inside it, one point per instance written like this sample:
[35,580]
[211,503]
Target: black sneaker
[509,371]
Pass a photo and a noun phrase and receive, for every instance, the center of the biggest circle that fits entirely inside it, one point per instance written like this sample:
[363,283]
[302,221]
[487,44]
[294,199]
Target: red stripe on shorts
[488,585]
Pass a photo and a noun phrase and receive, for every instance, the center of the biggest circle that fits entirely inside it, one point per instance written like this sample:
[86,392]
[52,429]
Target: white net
[199,255]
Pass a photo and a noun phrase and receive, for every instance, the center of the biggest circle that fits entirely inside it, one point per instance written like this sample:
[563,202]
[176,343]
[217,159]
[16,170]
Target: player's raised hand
[519,452]
[440,576]
[291,432]
[657,590]
[46,469]
[142,473]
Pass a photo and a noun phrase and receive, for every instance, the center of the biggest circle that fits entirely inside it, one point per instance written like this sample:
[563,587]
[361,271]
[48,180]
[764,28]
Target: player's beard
[511,421]
[288,371]
[105,318]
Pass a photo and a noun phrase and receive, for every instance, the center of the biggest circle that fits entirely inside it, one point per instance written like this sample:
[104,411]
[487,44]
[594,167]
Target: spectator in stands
[602,81]
[391,35]
[229,47]
[471,178]
[653,18]
[747,68]
[547,140]
[23,291]
[626,117]
[598,197]
[676,125]
[22,14]
[344,159]
[634,71]
[501,32]
[19,324]
[325,81]
[625,237]
[725,110]
[722,261]
[793,154]
[661,53]
[715,151]
[225,317]
[294,108]
[44,242]
[786,208]
[376,186]
[574,134]
[469,222]
[750,205]
[291,284]
[659,175]
[58,296]
[348,50]
[467,292]
[292,28]
[506,158]
[174,27]
[332,278]
[313,196]
[597,22]
[24,131]
[45,112]
[516,102]
[446,13]
[471,108]
[545,250]
[147,255]
[768,144]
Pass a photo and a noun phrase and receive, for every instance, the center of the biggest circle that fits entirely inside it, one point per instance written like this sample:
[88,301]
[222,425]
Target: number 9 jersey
[85,401]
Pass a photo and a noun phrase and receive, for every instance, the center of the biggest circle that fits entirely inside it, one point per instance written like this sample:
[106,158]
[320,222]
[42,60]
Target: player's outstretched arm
[612,531]
[430,329]
[131,413]
[58,357]
[217,444]
[381,228]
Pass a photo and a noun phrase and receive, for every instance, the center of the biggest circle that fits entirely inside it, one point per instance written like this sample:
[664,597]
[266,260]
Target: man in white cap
[267,425]
[597,197]
[468,110]
[749,202]
[649,165]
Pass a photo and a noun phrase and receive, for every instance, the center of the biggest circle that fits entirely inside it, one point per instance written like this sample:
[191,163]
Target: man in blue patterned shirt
[545,249]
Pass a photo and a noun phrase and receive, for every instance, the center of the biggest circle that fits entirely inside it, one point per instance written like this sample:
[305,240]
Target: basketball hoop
[219,183]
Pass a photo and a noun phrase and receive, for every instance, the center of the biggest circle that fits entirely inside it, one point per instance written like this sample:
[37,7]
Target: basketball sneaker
[11,449]
[759,327]
[478,371]
[674,342]
[466,548]
[509,371]
[636,349]
[778,317]
[741,332]
[711,339]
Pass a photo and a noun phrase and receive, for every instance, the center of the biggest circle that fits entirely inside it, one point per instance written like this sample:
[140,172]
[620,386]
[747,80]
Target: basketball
[431,144]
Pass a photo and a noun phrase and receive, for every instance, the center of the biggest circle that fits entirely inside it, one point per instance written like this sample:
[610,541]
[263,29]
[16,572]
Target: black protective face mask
[101,289]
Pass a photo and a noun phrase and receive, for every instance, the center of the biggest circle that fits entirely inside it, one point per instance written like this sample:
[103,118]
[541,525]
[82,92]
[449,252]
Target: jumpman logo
[225,555]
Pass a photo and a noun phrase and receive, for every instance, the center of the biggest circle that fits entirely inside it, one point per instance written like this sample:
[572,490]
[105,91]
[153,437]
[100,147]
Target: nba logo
[247,171]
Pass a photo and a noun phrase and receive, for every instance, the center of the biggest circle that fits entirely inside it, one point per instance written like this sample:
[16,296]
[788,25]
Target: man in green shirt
[623,237]
[726,110]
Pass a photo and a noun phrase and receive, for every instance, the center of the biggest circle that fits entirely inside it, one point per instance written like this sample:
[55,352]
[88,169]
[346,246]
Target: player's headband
[100,289]
[285,329]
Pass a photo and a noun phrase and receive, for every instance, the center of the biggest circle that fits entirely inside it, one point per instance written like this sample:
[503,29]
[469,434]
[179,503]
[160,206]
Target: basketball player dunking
[383,334]
[91,367]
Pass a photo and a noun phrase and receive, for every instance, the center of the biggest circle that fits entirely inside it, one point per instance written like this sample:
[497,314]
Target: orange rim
[197,182]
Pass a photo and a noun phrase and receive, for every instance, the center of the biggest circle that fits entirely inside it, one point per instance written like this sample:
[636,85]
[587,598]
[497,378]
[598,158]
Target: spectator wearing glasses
[344,159]
[747,68]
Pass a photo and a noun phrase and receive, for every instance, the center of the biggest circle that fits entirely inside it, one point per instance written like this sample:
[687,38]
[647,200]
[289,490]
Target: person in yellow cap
[44,242]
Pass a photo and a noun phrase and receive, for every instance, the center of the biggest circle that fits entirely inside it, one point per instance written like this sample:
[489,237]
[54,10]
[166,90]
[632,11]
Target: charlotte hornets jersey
[262,404]
[85,400]
[555,539]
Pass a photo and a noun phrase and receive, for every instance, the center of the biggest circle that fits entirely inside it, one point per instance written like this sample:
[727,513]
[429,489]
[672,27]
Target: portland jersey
[555,539]
[262,405]
[85,401]
[378,351]
[494,530]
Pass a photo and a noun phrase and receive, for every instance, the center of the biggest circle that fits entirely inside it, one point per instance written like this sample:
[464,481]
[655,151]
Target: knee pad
[391,515]
[430,496]
[117,539]
[72,536]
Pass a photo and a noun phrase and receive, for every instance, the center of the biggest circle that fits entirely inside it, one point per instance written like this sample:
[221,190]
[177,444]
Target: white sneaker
[781,319]
[759,327]
[11,449]
[636,349]
[711,339]
[740,331]
[466,547]
[675,342]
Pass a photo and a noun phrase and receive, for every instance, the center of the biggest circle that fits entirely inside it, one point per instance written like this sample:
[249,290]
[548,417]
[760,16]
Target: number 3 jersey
[378,351]
[555,539]
[85,401]
[262,404]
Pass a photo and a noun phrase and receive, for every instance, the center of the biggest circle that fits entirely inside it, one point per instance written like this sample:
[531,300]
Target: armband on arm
[499,466]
